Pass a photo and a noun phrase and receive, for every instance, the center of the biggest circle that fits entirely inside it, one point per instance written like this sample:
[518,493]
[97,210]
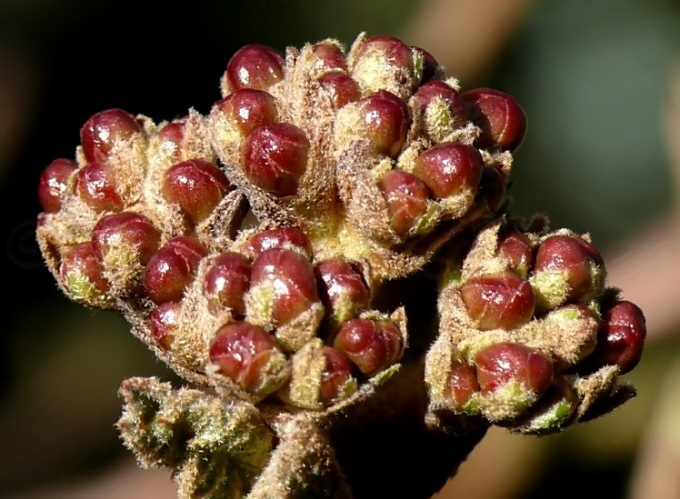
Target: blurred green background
[594,77]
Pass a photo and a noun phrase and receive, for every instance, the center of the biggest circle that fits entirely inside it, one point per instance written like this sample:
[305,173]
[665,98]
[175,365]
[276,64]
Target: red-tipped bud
[330,56]
[103,130]
[462,384]
[567,257]
[498,301]
[197,186]
[248,109]
[336,376]
[438,91]
[341,88]
[274,157]
[254,66]
[226,282]
[341,288]
[383,50]
[502,363]
[249,356]
[81,273]
[170,139]
[96,186]
[515,248]
[450,168]
[371,345]
[621,338]
[501,120]
[284,237]
[124,238]
[283,284]
[53,184]
[407,200]
[172,268]
[164,322]
[385,119]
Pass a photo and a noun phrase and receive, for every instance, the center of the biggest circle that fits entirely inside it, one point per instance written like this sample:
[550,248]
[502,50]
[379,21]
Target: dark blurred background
[598,80]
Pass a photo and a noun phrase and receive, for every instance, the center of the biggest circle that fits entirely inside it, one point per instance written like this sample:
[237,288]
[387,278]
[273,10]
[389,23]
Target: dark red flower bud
[502,363]
[407,200]
[498,301]
[254,66]
[274,157]
[285,284]
[283,237]
[249,356]
[96,186]
[621,338]
[172,268]
[164,322]
[248,109]
[462,384]
[53,184]
[371,345]
[450,168]
[197,186]
[341,288]
[335,377]
[497,114]
[226,282]
[103,130]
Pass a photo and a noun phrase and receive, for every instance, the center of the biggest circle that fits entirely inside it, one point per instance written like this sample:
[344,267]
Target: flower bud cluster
[530,336]
[253,250]
[346,160]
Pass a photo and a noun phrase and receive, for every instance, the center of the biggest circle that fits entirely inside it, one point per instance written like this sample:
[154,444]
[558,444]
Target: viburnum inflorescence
[326,258]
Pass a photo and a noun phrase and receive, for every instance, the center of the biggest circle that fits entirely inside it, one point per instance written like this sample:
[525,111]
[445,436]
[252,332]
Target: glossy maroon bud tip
[254,66]
[248,109]
[274,157]
[388,49]
[53,184]
[498,301]
[341,288]
[197,186]
[502,363]
[172,268]
[385,122]
[371,345]
[501,120]
[96,186]
[335,377]
[330,55]
[621,338]
[569,256]
[127,231]
[290,279]
[407,200]
[170,138]
[102,130]
[226,282]
[450,168]
[283,237]
[463,384]
[80,272]
[164,323]
[241,352]
[515,248]
[439,90]
[341,88]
